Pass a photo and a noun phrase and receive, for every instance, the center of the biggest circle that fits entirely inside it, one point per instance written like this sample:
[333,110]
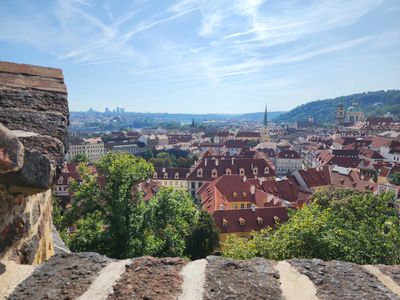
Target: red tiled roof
[231,188]
[288,154]
[252,134]
[315,177]
[234,165]
[287,189]
[380,141]
[394,147]
[172,173]
[353,181]
[253,220]
[236,144]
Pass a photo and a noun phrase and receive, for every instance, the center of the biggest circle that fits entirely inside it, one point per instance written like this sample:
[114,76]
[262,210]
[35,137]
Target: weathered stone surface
[92,276]
[150,278]
[11,151]
[391,271]
[241,279]
[33,104]
[64,276]
[342,280]
[37,100]
[36,175]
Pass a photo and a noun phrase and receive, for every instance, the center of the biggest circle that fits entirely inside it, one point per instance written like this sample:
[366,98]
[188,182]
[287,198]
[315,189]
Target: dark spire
[266,115]
[193,124]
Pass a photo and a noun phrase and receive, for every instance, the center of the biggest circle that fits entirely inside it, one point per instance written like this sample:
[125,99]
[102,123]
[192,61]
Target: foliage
[342,225]
[203,237]
[168,159]
[110,216]
[324,111]
[79,158]
[395,179]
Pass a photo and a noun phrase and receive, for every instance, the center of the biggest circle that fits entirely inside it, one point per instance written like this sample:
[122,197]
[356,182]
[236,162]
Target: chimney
[205,162]
[260,181]
[216,162]
[222,207]
[233,160]
[253,208]
[252,189]
[244,178]
[163,169]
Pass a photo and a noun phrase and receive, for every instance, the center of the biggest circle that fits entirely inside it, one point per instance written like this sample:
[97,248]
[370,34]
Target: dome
[353,109]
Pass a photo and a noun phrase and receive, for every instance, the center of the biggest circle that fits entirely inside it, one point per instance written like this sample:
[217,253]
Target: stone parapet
[92,276]
[33,142]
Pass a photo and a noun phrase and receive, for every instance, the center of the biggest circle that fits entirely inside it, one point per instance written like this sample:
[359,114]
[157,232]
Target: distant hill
[259,116]
[324,111]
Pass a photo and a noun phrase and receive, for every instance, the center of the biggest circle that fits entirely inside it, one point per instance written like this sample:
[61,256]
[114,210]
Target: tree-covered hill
[375,103]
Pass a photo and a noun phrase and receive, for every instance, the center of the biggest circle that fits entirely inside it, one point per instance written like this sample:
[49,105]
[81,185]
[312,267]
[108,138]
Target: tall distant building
[107,110]
[340,114]
[265,129]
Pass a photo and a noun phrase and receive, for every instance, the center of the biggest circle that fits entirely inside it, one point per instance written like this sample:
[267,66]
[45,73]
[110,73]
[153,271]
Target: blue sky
[192,56]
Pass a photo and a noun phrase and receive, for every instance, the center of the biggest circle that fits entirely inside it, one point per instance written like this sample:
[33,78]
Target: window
[255,171]
[165,175]
[155,175]
[241,221]
[224,223]
[193,185]
[242,205]
[228,172]
[214,173]
[259,221]
[248,205]
[266,170]
[200,173]
[241,171]
[176,175]
[234,195]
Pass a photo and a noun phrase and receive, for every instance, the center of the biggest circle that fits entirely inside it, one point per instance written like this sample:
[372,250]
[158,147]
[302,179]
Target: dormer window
[200,173]
[165,175]
[241,222]
[155,175]
[277,220]
[234,195]
[244,194]
[228,171]
[214,173]
[224,223]
[176,175]
[259,221]
[255,171]
[60,180]
[241,171]
[266,170]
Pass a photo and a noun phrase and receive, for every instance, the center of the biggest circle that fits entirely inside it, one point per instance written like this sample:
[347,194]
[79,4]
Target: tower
[265,129]
[340,114]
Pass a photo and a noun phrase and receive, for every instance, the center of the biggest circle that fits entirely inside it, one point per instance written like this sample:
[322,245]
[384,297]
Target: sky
[215,56]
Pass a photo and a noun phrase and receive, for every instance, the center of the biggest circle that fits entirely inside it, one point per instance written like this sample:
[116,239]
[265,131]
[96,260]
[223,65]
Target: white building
[287,162]
[92,148]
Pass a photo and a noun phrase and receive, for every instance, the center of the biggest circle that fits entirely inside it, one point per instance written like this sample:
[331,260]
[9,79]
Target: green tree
[342,225]
[203,237]
[395,179]
[110,203]
[79,158]
[110,216]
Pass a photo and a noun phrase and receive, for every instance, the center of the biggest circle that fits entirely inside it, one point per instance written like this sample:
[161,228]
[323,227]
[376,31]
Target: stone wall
[92,276]
[33,142]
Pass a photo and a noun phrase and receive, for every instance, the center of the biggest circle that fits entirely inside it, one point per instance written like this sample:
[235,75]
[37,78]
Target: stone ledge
[92,276]
[33,104]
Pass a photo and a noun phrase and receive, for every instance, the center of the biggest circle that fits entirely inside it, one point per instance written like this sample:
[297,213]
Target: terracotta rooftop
[228,220]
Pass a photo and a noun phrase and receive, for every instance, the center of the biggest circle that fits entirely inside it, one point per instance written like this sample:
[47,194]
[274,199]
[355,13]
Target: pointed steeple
[266,115]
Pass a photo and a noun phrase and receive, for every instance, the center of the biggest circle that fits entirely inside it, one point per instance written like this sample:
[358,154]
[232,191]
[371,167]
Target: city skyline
[200,57]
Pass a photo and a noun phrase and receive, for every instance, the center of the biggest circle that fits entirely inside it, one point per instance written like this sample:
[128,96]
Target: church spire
[266,115]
